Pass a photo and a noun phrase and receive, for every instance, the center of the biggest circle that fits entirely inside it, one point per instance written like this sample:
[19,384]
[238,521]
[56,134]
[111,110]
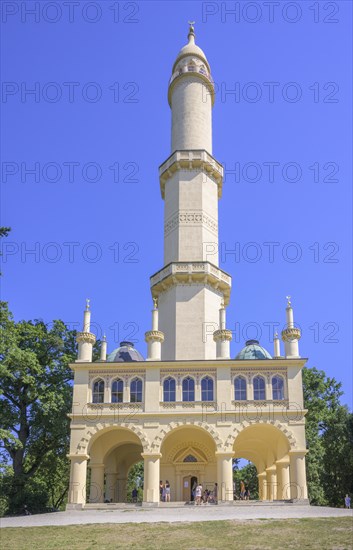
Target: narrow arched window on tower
[98,391]
[240,388]
[207,389]
[259,388]
[169,389]
[136,390]
[188,389]
[117,391]
[277,388]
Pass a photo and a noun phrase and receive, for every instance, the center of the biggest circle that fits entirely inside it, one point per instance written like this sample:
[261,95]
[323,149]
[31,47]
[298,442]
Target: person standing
[198,494]
[161,490]
[242,490]
[167,491]
[347,501]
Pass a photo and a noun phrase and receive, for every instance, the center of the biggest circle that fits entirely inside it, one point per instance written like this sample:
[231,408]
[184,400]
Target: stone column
[96,492]
[298,475]
[110,486]
[225,476]
[151,479]
[283,480]
[262,485]
[77,488]
[271,483]
[178,493]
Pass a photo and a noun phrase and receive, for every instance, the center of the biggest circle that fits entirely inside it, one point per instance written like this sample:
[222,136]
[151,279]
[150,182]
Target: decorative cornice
[291,333]
[191,273]
[196,159]
[86,337]
[154,336]
[222,334]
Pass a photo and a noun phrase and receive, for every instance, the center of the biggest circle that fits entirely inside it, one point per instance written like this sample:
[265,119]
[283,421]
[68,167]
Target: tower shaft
[190,287]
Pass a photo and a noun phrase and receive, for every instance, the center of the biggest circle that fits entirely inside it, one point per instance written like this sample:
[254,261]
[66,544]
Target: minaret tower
[190,288]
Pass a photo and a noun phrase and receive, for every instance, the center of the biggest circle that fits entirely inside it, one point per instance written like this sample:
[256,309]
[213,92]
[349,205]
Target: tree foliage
[329,437]
[248,474]
[36,396]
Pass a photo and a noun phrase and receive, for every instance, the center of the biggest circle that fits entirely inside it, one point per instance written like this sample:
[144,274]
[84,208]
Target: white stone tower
[190,288]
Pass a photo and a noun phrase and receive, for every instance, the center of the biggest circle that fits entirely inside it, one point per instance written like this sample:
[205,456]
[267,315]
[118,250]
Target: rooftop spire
[191,35]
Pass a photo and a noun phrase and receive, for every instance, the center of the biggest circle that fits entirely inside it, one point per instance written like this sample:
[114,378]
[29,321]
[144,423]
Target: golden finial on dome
[289,303]
[87,304]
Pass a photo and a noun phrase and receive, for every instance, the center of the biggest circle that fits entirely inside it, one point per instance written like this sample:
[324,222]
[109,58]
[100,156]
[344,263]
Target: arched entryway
[112,454]
[188,457]
[268,449]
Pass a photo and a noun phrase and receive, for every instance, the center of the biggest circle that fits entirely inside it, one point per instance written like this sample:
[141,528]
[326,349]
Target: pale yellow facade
[189,409]
[108,438]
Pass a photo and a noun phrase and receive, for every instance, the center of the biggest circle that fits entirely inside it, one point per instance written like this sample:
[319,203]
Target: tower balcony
[191,272]
[197,159]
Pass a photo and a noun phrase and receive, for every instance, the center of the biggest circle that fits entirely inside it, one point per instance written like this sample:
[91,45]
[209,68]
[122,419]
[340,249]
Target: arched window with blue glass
[169,389]
[259,388]
[277,387]
[98,391]
[136,390]
[207,389]
[188,389]
[117,391]
[240,389]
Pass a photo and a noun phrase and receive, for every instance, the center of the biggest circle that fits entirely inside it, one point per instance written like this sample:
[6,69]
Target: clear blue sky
[100,112]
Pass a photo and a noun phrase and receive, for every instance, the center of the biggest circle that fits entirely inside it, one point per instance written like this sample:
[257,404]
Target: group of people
[164,491]
[201,496]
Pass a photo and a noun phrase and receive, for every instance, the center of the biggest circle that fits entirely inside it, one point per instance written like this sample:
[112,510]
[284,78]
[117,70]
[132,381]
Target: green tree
[248,474]
[36,395]
[337,440]
[135,479]
[322,399]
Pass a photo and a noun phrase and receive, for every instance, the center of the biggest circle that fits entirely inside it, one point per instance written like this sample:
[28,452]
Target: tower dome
[253,350]
[125,353]
[191,49]
[191,61]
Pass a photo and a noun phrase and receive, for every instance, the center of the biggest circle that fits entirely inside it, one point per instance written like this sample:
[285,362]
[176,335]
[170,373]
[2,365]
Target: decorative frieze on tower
[190,288]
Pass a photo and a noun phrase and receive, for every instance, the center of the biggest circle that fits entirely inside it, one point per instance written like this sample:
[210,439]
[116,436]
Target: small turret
[291,334]
[276,347]
[222,336]
[86,339]
[154,337]
[103,356]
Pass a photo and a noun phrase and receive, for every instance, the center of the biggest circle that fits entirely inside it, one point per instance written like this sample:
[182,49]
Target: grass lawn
[318,533]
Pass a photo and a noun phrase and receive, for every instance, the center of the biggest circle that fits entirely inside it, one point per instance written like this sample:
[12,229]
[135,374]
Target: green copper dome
[253,350]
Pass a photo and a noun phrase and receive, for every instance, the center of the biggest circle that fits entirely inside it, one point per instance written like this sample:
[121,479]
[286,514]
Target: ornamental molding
[179,375]
[222,334]
[250,372]
[291,333]
[187,217]
[154,336]
[85,337]
[237,430]
[187,273]
[189,445]
[109,377]
[93,432]
[158,440]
